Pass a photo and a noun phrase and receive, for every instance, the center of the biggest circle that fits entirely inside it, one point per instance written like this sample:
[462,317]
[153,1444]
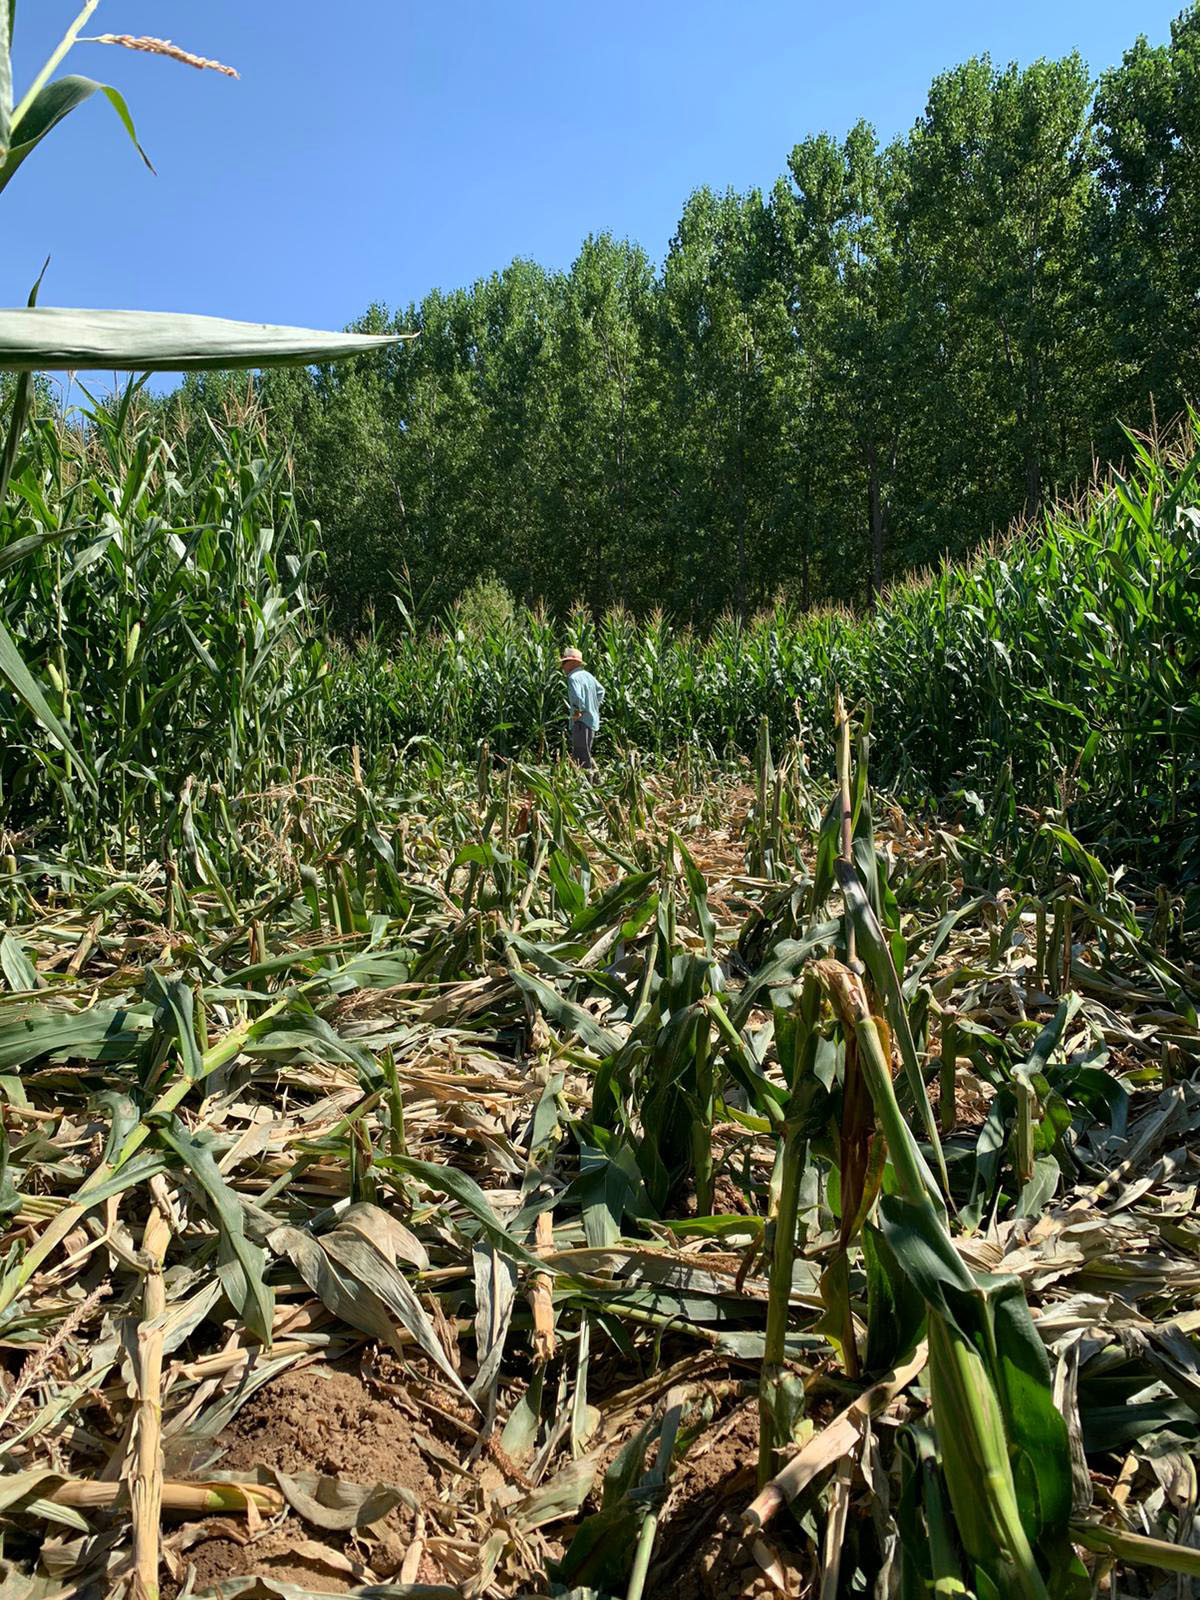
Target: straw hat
[571,654]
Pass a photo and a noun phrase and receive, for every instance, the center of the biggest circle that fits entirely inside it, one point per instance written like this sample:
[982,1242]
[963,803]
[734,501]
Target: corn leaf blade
[51,105]
[56,339]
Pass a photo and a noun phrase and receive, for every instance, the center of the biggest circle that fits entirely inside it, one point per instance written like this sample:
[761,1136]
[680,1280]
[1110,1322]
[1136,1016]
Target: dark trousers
[581,744]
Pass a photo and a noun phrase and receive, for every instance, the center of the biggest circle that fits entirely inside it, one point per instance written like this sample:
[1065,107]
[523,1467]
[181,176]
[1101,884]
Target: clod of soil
[702,1525]
[317,1419]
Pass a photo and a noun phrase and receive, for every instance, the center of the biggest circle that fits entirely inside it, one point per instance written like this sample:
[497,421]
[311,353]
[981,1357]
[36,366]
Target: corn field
[1062,666]
[1065,662]
[161,604]
[770,1170]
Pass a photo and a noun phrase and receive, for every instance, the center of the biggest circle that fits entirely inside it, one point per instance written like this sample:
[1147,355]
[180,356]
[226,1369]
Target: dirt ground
[335,1421]
[331,1421]
[702,1557]
[317,1419]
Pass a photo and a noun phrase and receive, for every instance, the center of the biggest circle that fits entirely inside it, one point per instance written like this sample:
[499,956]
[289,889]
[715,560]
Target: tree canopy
[893,354]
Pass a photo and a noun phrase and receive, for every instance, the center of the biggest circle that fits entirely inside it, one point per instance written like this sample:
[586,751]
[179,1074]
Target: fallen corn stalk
[185,1499]
[1137,1548]
[144,1467]
[826,1448]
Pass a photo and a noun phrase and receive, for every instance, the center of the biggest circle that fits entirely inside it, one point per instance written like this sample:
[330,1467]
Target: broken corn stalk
[966,1408]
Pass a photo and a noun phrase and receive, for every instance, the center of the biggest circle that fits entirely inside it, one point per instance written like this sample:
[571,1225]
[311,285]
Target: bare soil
[329,1420]
[704,1557]
[316,1419]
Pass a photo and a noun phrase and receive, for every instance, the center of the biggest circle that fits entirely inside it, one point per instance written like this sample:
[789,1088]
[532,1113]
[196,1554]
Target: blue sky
[375,150]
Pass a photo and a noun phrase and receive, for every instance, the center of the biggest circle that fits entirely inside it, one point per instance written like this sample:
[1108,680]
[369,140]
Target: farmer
[584,699]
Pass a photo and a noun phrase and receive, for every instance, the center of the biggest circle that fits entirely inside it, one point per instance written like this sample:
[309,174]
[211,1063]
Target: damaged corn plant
[426,1180]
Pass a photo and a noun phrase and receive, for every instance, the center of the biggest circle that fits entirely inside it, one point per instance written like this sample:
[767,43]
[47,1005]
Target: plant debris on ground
[426,1214]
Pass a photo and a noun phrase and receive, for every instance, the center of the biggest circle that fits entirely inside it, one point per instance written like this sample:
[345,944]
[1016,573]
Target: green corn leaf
[875,949]
[104,1033]
[698,892]
[138,1171]
[895,1310]
[1036,1430]
[23,685]
[829,842]
[601,912]
[311,1037]
[602,1547]
[1039,1190]
[55,339]
[243,1267]
[177,1012]
[564,1013]
[21,549]
[787,960]
[448,1181]
[10,1200]
[19,971]
[1123,1427]
[837,1321]
[12,666]
[766,1097]
[6,78]
[924,1250]
[570,895]
[1089,868]
[521,1429]
[609,1187]
[51,104]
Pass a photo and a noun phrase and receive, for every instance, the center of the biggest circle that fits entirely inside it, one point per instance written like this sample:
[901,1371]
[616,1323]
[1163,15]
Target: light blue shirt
[586,696]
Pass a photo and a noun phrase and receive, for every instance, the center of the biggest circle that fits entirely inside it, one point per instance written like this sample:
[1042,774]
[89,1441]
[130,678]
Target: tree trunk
[875,514]
[739,596]
[806,548]
[1033,455]
[1033,482]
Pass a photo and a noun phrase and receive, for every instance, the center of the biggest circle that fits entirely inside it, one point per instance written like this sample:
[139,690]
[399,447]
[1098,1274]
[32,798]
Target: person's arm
[574,700]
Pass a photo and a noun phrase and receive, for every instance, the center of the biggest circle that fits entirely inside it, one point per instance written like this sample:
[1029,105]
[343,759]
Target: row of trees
[889,356]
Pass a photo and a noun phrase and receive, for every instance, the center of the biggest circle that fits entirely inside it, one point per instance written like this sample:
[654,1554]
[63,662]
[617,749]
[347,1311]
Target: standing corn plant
[128,341]
[1004,1448]
[994,1486]
[34,338]
[51,338]
[163,597]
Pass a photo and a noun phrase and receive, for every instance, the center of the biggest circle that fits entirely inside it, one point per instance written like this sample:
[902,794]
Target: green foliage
[623,996]
[1148,129]
[485,607]
[880,361]
[1063,662]
[157,595]
[158,591]
[323,934]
